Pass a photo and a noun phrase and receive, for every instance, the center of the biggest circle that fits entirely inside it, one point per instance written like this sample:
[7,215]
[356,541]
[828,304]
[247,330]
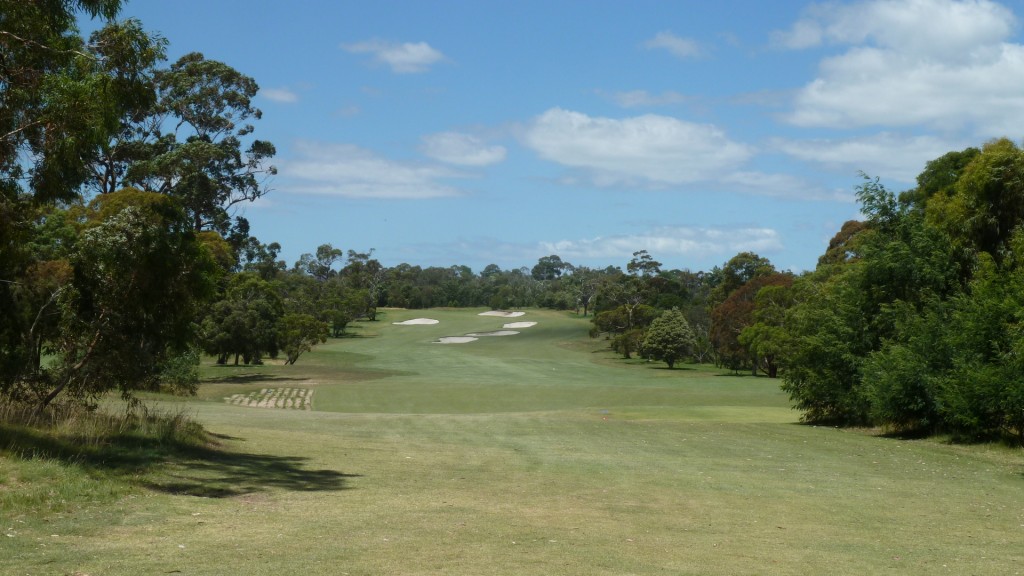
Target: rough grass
[530,454]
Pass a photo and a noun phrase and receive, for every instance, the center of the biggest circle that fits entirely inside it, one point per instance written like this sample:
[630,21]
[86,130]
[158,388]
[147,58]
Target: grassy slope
[529,454]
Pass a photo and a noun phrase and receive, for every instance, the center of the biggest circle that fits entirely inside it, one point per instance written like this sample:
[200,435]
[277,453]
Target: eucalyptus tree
[61,99]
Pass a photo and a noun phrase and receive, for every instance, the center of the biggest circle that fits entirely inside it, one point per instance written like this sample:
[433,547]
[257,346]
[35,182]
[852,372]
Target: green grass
[538,453]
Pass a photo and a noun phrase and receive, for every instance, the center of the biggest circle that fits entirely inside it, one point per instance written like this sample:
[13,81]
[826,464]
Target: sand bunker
[519,325]
[455,340]
[503,314]
[495,333]
[417,321]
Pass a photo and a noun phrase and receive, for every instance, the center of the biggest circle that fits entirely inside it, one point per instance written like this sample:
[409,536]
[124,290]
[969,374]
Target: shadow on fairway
[251,378]
[213,473]
[350,336]
[173,467]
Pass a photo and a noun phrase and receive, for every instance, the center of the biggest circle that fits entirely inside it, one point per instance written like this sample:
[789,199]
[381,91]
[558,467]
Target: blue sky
[476,132]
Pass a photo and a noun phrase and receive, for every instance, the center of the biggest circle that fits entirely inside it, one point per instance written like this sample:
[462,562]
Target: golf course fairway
[522,450]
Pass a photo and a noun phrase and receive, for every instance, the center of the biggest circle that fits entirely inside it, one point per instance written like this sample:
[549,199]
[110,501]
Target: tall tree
[363,272]
[739,270]
[767,337]
[197,143]
[643,264]
[730,318]
[549,268]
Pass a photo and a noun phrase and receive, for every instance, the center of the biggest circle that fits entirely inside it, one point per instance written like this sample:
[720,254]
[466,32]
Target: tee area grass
[538,453]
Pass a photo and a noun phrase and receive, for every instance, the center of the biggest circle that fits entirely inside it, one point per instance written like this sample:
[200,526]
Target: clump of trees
[912,319]
[114,230]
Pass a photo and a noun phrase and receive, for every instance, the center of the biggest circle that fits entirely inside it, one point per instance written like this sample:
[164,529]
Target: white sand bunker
[495,333]
[519,325]
[455,340]
[417,321]
[503,314]
[289,398]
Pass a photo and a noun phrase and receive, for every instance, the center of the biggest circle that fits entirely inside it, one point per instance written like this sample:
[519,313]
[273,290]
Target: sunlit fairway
[533,453]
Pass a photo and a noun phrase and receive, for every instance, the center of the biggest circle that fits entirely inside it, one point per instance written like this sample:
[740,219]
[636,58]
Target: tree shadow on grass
[173,467]
[215,473]
[251,378]
[351,336]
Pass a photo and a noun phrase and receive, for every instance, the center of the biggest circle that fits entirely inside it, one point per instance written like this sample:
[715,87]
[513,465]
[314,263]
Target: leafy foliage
[669,339]
[916,325]
[298,333]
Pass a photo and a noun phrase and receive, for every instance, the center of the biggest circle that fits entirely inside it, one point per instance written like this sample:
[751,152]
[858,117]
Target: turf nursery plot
[539,453]
[291,398]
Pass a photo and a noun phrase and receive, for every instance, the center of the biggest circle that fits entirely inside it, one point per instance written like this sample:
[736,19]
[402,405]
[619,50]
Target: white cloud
[282,95]
[461,149]
[779,185]
[943,64]
[677,46]
[637,98]
[805,33]
[649,149]
[887,155]
[403,58]
[944,28]
[671,241]
[353,172]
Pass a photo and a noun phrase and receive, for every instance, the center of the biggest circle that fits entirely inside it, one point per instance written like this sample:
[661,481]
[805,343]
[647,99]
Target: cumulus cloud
[353,172]
[671,241]
[679,47]
[887,155]
[404,58]
[461,149]
[947,28]
[944,64]
[649,149]
[282,95]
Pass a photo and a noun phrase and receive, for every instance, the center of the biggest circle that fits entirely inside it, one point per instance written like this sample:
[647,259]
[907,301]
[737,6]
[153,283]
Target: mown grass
[531,454]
